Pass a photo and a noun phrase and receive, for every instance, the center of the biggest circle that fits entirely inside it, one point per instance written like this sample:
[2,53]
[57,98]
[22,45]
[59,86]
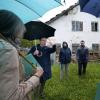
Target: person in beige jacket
[11,27]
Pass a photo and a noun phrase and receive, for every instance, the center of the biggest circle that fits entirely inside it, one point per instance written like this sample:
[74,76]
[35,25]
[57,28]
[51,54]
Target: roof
[64,12]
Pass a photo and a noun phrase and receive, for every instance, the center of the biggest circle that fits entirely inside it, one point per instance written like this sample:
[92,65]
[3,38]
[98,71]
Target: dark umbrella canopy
[83,3]
[37,30]
[91,7]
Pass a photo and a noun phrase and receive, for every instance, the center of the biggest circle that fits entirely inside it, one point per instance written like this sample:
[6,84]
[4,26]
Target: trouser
[42,85]
[62,70]
[36,93]
[39,91]
[82,68]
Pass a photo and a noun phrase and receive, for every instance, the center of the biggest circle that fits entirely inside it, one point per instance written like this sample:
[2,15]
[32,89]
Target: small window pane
[77,26]
[94,26]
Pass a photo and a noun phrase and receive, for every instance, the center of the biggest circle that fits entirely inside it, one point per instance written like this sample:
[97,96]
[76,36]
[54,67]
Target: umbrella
[28,10]
[40,6]
[37,30]
[59,1]
[91,7]
[83,3]
[20,10]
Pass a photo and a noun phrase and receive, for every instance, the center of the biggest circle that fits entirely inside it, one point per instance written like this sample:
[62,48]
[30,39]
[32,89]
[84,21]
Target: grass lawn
[74,88]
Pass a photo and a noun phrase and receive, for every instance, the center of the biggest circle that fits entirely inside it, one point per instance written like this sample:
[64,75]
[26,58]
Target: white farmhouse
[73,26]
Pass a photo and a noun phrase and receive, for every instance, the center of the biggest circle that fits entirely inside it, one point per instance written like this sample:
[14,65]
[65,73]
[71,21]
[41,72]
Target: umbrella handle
[40,54]
[35,45]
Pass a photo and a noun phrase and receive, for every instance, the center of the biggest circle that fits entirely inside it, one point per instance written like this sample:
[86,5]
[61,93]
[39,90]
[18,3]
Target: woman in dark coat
[64,59]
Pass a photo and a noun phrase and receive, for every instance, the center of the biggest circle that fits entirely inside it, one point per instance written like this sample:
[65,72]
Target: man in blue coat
[42,55]
[82,58]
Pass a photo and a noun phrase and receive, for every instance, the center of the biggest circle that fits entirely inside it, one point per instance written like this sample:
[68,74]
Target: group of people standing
[82,57]
[42,55]
[11,88]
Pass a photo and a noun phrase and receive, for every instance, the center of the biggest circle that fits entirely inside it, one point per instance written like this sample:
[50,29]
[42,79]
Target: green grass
[74,88]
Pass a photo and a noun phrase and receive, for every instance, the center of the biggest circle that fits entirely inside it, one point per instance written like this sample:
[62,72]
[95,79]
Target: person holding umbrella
[42,55]
[11,28]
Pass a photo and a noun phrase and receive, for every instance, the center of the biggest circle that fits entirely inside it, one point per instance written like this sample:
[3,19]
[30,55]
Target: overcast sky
[57,10]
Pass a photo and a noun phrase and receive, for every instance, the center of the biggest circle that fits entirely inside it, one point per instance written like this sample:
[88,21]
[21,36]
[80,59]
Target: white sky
[57,10]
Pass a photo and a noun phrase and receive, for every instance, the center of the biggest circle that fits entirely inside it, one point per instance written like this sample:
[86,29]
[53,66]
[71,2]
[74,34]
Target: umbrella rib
[29,8]
[58,2]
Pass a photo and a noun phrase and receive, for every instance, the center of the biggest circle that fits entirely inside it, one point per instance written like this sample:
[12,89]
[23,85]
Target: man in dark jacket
[82,58]
[42,55]
[64,59]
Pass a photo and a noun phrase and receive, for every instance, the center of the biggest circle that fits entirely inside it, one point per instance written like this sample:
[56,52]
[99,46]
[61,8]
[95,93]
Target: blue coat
[44,60]
[82,54]
[65,55]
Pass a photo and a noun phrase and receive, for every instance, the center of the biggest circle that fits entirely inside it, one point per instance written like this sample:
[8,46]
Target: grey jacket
[10,88]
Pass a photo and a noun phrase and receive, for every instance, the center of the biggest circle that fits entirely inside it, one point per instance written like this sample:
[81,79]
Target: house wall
[64,32]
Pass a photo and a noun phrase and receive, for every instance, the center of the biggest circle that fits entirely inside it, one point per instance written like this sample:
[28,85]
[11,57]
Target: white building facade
[77,26]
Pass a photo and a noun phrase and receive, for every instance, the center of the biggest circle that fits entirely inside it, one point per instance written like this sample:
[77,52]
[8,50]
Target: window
[94,26]
[95,47]
[77,26]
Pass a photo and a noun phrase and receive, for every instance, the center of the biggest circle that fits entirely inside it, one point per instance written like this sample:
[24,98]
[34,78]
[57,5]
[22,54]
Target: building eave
[64,12]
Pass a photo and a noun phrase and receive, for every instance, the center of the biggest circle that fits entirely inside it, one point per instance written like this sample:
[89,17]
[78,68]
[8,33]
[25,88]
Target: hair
[42,38]
[82,41]
[11,25]
[64,43]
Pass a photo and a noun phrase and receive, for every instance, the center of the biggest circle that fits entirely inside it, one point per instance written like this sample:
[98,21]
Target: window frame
[94,26]
[77,26]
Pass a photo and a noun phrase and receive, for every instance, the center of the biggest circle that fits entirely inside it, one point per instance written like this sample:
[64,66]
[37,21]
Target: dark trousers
[82,68]
[39,91]
[42,85]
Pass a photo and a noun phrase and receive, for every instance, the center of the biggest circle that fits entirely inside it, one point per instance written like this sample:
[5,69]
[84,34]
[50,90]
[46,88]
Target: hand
[51,42]
[36,52]
[39,72]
